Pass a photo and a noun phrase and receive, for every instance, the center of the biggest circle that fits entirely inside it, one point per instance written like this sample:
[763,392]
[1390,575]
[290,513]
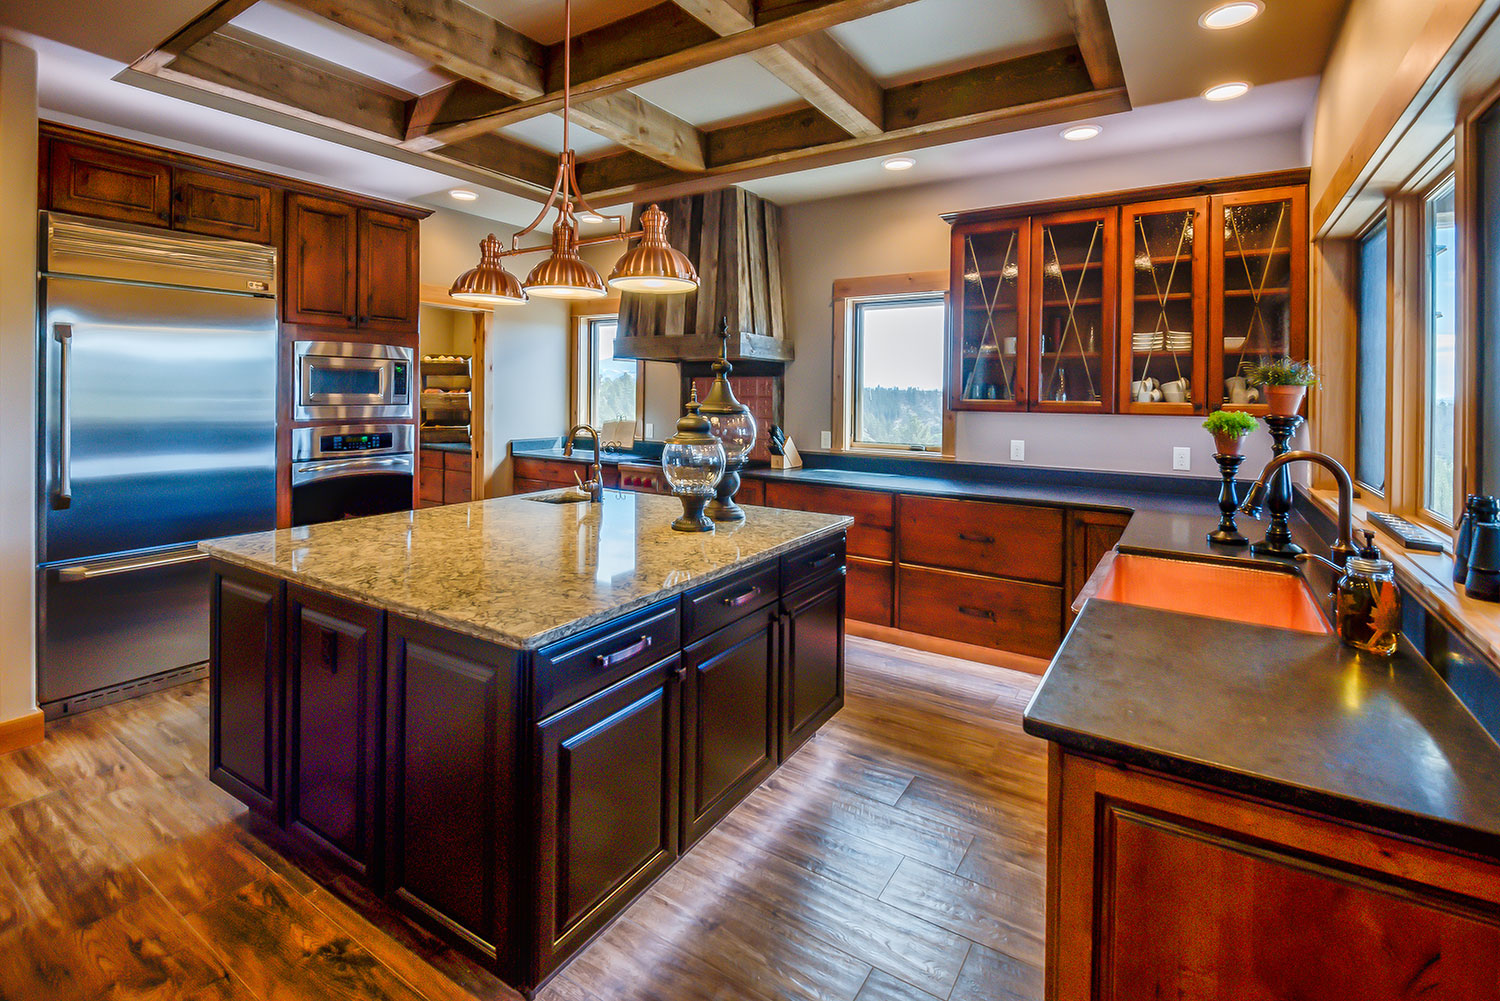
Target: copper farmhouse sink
[1262,597]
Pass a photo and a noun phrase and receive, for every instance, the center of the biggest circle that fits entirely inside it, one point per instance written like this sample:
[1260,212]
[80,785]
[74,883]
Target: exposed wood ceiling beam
[192,33]
[478,48]
[660,42]
[1096,40]
[815,66]
[1021,93]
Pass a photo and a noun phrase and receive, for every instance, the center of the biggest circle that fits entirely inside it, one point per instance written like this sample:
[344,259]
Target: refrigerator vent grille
[79,238]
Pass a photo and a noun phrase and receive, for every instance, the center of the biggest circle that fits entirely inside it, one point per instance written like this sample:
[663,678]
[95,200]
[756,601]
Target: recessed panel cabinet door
[812,660]
[223,206]
[109,185]
[608,804]
[729,701]
[387,292]
[245,687]
[333,678]
[321,238]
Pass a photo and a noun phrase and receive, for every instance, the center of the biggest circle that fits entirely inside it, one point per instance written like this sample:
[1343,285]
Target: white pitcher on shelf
[1241,391]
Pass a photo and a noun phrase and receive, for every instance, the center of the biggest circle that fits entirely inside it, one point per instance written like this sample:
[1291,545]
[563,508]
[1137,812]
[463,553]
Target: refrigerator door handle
[107,568]
[62,495]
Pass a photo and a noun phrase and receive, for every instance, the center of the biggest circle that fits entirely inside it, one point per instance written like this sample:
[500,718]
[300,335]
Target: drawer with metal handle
[571,670]
[328,469]
[810,562]
[986,611]
[709,608]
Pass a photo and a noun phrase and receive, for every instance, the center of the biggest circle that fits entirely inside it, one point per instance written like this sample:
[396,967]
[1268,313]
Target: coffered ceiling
[668,96]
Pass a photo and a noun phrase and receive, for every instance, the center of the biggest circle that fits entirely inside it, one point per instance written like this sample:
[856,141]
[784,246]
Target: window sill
[889,453]
[1431,576]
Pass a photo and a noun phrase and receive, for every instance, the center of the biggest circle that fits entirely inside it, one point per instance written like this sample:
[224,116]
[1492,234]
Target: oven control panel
[342,443]
[352,441]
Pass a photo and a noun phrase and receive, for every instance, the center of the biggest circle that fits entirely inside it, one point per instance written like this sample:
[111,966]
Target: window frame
[584,371]
[1375,498]
[1448,176]
[848,294]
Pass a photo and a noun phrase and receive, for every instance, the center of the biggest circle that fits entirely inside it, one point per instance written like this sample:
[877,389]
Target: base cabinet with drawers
[517,800]
[444,477]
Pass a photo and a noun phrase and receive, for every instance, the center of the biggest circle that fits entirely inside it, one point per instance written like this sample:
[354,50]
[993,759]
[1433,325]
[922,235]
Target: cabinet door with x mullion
[1073,311]
[989,357]
[1163,341]
[1257,288]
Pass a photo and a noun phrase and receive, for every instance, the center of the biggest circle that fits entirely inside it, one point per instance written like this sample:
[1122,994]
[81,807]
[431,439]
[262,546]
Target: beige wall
[526,361]
[18,181]
[902,230]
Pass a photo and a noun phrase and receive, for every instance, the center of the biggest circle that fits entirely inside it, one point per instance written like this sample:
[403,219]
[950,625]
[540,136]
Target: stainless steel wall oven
[351,470]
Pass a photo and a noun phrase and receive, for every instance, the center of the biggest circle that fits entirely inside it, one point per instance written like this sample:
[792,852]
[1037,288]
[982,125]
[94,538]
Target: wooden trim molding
[23,731]
[946,647]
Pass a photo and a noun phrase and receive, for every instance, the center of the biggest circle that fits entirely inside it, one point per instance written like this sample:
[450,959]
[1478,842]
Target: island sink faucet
[1342,547]
[594,485]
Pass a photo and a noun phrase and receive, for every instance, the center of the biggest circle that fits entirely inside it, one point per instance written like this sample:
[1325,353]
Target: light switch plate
[1182,457]
[1017,450]
[827,439]
[650,431]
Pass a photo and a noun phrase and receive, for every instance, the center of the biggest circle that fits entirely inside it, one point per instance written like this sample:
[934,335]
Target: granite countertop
[515,571]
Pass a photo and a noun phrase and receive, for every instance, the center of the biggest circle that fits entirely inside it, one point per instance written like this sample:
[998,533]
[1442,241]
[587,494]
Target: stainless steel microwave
[344,380]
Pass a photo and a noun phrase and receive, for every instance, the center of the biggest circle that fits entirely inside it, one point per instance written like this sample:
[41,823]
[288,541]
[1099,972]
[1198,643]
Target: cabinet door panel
[222,206]
[452,706]
[871,590]
[1092,534]
[245,688]
[608,820]
[334,682]
[1073,311]
[320,261]
[1164,307]
[869,536]
[729,719]
[812,661]
[109,185]
[990,288]
[387,293]
[988,537]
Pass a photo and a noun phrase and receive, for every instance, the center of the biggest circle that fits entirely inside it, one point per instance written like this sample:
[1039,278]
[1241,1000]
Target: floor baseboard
[947,648]
[23,731]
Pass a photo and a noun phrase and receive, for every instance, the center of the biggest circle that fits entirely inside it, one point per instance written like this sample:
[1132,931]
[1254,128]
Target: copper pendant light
[489,283]
[653,267]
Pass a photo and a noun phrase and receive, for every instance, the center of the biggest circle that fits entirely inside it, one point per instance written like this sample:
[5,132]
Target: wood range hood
[733,238]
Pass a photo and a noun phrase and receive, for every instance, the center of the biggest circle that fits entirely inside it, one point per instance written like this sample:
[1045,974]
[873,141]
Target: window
[898,372]
[1370,355]
[1441,397]
[608,390]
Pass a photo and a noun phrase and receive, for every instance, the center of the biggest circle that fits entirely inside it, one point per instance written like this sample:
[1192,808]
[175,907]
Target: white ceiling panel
[546,133]
[317,36]
[720,92]
[918,39]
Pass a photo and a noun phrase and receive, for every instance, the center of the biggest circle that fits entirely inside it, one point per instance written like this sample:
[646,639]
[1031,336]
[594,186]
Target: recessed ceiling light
[462,194]
[1231,15]
[1078,133]
[1227,91]
[899,163]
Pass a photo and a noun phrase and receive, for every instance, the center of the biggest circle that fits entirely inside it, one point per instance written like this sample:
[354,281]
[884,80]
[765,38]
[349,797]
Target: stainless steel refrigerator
[158,373]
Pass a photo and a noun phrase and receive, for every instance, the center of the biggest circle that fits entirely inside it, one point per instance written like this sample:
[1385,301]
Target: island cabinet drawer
[869,536]
[719,604]
[571,670]
[1005,614]
[1006,540]
[801,566]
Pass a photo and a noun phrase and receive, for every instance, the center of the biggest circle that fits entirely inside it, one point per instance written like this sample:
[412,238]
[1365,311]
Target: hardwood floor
[899,856]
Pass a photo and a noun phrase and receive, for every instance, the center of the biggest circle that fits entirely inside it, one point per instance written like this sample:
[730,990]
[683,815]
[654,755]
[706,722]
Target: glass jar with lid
[693,462]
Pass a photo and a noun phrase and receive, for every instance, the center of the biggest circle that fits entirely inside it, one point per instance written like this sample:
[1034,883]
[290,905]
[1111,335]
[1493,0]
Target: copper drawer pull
[823,561]
[978,613]
[741,599]
[985,540]
[620,656]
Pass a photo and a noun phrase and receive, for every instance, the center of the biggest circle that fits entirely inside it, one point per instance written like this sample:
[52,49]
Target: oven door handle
[327,469]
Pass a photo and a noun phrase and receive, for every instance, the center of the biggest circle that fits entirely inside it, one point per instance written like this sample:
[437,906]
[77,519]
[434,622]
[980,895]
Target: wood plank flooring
[899,856]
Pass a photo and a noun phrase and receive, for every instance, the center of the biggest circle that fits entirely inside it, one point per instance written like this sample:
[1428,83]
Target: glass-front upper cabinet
[1164,307]
[1073,310]
[990,271]
[1258,288]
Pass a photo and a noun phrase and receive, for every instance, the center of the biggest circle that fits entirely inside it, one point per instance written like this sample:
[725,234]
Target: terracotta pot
[1284,401]
[1228,444]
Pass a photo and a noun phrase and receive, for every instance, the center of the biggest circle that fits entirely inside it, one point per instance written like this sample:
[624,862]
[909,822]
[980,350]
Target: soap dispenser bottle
[1367,603]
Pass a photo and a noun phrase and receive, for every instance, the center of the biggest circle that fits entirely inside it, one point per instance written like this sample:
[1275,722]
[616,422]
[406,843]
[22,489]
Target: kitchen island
[510,717]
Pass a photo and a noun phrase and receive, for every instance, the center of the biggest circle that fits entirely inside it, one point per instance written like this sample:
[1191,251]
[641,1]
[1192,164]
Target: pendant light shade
[654,265]
[565,275]
[489,283]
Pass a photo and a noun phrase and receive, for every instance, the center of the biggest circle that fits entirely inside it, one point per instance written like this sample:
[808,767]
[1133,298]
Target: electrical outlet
[650,431]
[1182,457]
[827,439]
[1017,450]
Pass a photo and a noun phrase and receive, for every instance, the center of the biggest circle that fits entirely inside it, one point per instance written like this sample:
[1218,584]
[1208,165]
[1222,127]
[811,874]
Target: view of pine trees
[616,394]
[909,416]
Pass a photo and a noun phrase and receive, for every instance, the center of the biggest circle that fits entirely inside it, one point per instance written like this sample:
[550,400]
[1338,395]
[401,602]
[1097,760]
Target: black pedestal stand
[1278,541]
[1228,533]
[723,507]
[693,519]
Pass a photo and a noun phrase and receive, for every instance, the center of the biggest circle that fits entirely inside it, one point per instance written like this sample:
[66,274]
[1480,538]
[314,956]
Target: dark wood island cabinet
[518,795]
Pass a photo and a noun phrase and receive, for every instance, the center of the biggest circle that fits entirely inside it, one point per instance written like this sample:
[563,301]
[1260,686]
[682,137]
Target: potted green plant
[1229,428]
[1285,381]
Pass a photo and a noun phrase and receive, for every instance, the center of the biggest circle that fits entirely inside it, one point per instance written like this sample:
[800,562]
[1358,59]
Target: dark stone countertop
[461,447]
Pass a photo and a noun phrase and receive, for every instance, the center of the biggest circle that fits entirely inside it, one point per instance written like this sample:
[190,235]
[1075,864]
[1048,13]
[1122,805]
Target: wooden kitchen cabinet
[214,205]
[1160,888]
[531,475]
[452,782]
[444,477]
[388,281]
[608,815]
[984,610]
[1091,535]
[322,237]
[334,661]
[246,619]
[106,184]
[985,537]
[1164,303]
[812,660]
[991,356]
[1073,311]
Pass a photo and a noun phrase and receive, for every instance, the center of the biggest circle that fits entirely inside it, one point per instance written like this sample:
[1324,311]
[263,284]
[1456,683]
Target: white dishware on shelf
[1175,391]
[1240,391]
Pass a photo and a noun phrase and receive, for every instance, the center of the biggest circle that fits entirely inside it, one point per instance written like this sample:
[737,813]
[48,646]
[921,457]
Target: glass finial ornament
[693,461]
[734,426]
